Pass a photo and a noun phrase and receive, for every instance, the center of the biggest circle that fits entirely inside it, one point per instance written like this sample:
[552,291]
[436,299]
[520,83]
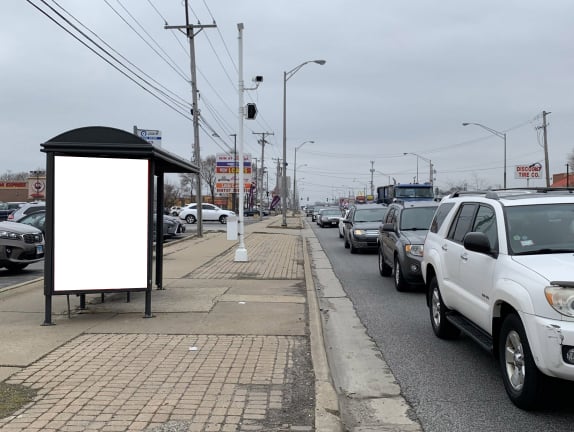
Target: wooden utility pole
[546,161]
[190,33]
[260,185]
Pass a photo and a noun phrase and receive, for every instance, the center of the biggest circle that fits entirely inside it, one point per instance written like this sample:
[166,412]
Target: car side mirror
[389,227]
[478,242]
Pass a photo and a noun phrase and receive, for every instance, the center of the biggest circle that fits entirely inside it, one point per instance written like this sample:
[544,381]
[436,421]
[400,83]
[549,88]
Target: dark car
[329,217]
[361,227]
[401,239]
[315,213]
[309,211]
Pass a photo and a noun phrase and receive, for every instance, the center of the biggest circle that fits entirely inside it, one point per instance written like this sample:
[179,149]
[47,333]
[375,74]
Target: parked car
[498,267]
[20,245]
[309,210]
[8,207]
[401,239]
[209,212]
[255,211]
[174,210]
[361,226]
[26,209]
[36,219]
[341,225]
[171,226]
[329,217]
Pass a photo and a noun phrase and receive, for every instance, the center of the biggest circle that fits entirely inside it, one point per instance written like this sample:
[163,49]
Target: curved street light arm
[501,135]
[296,69]
[492,131]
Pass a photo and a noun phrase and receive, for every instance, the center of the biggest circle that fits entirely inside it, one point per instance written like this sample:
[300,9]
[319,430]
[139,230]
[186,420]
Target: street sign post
[152,136]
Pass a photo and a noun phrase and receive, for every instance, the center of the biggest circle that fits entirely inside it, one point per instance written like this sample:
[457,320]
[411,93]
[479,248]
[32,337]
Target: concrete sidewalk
[231,347]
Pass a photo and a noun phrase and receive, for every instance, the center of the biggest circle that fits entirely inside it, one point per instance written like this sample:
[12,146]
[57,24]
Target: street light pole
[499,135]
[295,204]
[286,76]
[425,159]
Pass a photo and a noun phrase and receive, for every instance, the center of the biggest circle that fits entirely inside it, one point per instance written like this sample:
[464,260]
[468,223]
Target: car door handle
[464,256]
[444,247]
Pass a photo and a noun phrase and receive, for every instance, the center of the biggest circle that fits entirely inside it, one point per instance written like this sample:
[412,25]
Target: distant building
[563,180]
[32,189]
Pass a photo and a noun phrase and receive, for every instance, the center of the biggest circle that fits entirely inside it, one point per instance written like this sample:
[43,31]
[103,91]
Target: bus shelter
[95,175]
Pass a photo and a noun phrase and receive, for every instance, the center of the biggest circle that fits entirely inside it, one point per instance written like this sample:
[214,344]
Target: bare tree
[208,174]
[187,183]
[170,194]
[10,176]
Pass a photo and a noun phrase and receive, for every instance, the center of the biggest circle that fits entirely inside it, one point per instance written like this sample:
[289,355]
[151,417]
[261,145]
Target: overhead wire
[175,98]
[107,60]
[170,63]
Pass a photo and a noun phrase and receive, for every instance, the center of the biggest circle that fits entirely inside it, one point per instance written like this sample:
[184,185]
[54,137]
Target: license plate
[39,249]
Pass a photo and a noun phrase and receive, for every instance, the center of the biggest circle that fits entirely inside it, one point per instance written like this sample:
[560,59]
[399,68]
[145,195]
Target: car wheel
[174,213]
[190,219]
[384,268]
[223,219]
[442,327]
[522,379]
[400,283]
[15,266]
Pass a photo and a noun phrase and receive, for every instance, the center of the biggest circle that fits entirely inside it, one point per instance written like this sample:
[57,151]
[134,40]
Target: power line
[172,65]
[107,53]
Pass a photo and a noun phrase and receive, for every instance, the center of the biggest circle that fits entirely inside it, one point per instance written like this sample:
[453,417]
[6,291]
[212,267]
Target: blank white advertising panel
[100,223]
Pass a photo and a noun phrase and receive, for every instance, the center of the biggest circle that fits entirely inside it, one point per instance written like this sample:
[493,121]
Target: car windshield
[540,229]
[414,192]
[416,218]
[370,215]
[331,212]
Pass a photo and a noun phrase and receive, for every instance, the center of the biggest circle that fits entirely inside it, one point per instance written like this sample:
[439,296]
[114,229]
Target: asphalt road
[451,385]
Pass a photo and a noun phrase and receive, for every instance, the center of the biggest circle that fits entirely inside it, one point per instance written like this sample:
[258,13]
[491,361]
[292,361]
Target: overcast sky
[400,77]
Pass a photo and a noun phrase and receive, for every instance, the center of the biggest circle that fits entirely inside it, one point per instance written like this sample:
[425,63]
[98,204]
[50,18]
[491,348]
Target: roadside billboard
[227,173]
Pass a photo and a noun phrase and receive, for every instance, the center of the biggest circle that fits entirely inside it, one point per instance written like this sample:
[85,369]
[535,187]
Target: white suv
[209,212]
[499,267]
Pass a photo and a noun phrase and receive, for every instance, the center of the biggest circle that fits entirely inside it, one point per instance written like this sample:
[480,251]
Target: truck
[405,192]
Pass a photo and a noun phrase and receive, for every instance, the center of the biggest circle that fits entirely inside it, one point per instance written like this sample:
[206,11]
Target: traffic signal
[251,111]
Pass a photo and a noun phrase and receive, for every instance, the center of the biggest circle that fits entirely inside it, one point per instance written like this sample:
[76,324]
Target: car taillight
[10,216]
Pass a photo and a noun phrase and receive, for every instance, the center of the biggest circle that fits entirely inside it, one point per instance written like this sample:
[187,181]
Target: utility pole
[260,185]
[372,184]
[546,162]
[190,33]
[235,169]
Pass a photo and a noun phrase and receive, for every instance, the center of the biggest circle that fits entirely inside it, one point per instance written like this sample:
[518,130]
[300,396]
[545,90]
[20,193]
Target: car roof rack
[513,192]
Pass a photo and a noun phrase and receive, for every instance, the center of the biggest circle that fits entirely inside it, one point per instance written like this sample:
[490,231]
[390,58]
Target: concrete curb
[326,403]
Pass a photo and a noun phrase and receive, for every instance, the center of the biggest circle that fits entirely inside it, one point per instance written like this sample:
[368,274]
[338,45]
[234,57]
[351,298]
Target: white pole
[241,251]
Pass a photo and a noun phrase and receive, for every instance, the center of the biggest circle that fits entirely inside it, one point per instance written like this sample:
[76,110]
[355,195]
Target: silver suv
[20,245]
[498,267]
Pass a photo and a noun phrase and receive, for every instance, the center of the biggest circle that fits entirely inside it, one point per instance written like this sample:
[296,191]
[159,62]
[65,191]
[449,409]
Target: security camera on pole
[250,112]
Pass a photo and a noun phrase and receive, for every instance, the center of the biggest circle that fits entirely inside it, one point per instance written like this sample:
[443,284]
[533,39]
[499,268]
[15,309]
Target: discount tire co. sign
[528,171]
